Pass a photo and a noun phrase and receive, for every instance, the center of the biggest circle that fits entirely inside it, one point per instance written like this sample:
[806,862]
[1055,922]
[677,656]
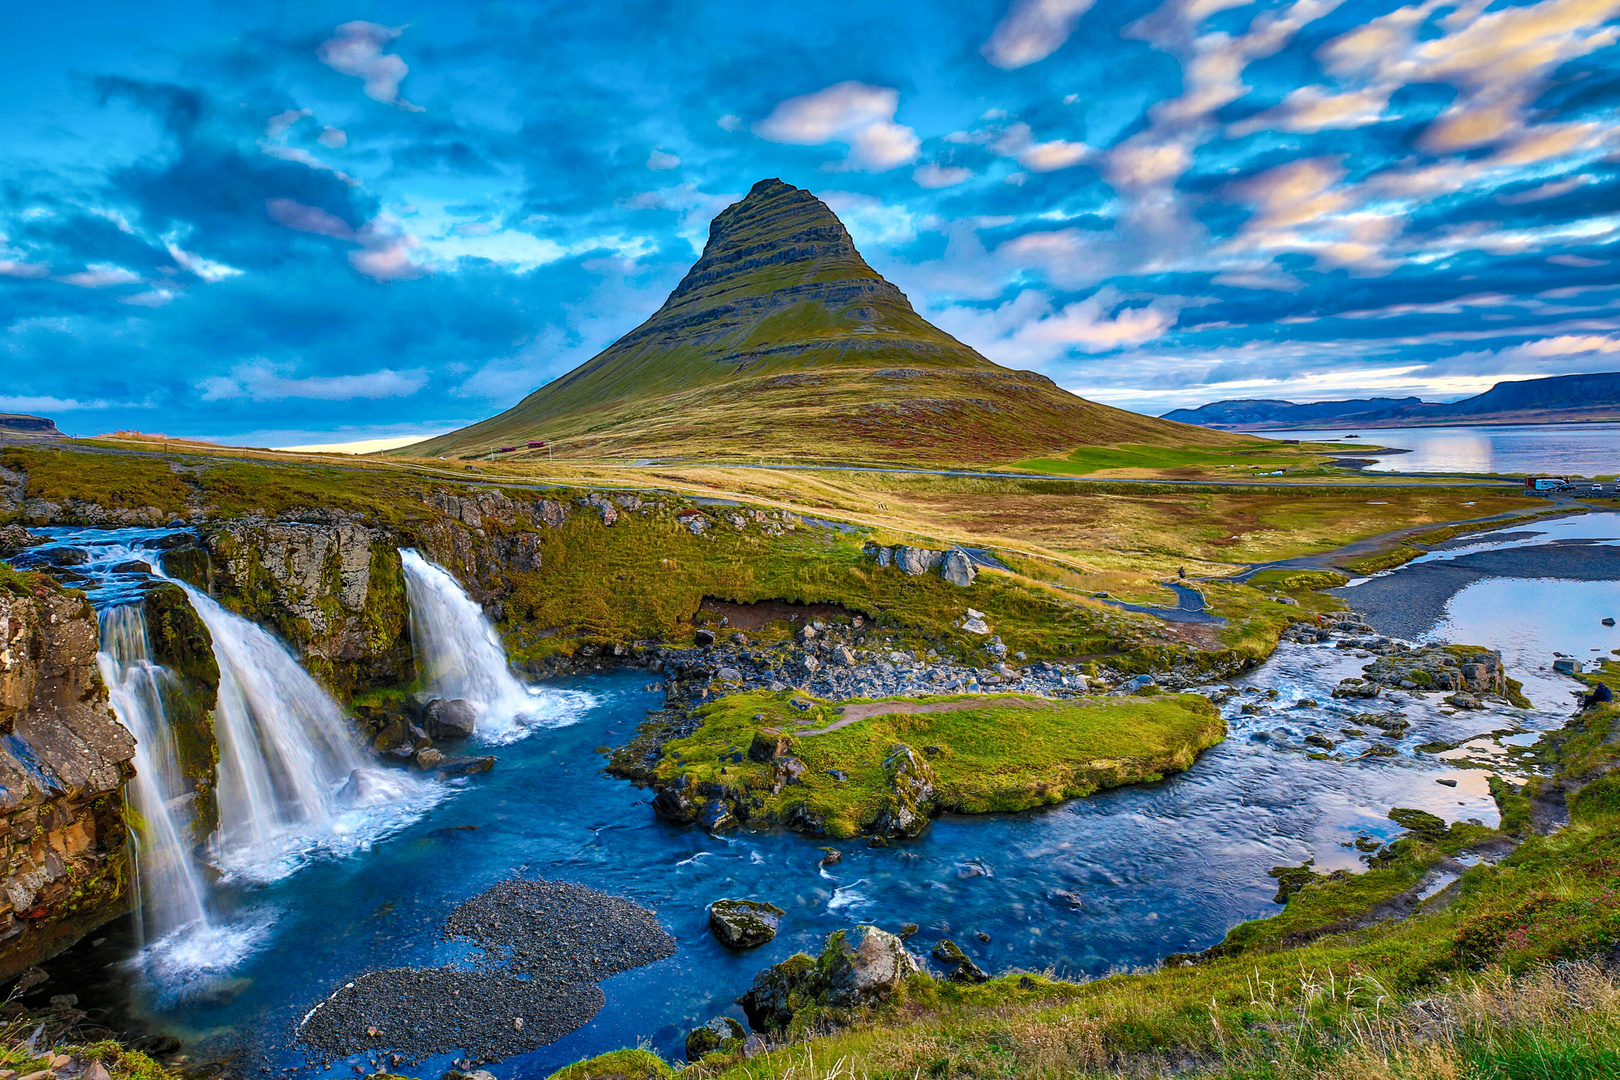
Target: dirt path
[849,714]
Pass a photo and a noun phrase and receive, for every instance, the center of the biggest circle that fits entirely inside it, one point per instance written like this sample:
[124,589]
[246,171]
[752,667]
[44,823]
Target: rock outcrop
[857,967]
[334,592]
[63,760]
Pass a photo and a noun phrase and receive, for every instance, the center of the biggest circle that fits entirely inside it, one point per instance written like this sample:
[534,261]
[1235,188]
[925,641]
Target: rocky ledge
[63,761]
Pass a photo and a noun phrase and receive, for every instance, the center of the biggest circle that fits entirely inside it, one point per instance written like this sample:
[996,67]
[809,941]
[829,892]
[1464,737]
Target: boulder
[721,1033]
[454,719]
[958,568]
[864,966]
[767,746]
[428,758]
[703,637]
[959,967]
[1464,700]
[464,766]
[915,561]
[779,991]
[974,623]
[743,924]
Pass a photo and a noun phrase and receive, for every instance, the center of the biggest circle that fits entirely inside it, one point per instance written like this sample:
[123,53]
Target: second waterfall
[459,655]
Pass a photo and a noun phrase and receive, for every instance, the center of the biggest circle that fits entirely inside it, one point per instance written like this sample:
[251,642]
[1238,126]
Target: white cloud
[869,220]
[333,138]
[150,298]
[261,380]
[357,49]
[1032,30]
[281,123]
[854,113]
[12,268]
[1018,143]
[659,160]
[26,403]
[941,176]
[730,122]
[1029,330]
[207,269]
[385,247]
[100,276]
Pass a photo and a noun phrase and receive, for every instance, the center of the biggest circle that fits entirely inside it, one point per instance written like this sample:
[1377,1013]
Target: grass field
[1004,754]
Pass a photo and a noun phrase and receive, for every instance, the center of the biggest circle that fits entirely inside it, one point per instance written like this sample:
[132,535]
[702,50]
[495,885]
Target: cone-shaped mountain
[781,342]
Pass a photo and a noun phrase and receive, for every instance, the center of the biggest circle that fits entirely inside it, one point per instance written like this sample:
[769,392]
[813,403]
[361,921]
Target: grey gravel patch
[418,1013]
[545,945]
[558,931]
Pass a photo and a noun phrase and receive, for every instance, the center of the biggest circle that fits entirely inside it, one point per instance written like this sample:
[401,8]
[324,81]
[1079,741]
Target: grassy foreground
[997,755]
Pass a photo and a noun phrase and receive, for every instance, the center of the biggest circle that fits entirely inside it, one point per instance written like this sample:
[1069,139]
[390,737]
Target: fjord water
[1582,449]
[1156,868]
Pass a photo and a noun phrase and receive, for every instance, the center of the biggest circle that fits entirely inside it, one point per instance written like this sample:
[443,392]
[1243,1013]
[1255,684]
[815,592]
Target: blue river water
[1159,868]
[1589,450]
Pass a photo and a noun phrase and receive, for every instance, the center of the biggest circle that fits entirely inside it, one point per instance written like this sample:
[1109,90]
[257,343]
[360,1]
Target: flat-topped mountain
[781,342]
[25,425]
[1558,398]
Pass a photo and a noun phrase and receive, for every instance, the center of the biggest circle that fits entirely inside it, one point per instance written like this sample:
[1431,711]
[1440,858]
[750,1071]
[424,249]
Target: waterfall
[293,781]
[169,889]
[459,655]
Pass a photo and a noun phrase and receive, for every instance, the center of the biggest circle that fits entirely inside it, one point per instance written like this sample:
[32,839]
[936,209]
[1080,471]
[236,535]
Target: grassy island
[976,754]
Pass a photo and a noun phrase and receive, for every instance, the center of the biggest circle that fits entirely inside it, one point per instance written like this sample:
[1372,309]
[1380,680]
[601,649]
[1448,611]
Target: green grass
[1237,462]
[996,757]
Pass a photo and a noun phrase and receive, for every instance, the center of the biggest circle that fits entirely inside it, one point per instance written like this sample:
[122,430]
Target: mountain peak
[781,340]
[781,244]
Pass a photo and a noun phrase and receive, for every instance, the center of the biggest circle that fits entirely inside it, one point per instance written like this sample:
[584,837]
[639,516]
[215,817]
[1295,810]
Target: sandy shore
[1409,601]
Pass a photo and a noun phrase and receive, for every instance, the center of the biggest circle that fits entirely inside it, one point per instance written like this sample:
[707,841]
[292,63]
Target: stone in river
[450,719]
[743,924]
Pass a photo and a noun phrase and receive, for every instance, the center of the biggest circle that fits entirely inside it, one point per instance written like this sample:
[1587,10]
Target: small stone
[831,855]
[703,637]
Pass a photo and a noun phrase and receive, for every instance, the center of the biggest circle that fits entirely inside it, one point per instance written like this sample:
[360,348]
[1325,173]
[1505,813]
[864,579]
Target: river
[1158,868]
[1588,450]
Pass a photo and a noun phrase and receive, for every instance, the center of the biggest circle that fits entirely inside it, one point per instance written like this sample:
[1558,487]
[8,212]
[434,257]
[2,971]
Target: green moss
[995,755]
[1387,560]
[617,1065]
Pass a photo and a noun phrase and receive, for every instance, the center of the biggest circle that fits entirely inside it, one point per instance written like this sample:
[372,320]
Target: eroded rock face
[334,592]
[63,759]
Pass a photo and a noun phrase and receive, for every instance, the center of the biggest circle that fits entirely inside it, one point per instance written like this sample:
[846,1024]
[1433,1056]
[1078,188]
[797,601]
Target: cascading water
[171,892]
[459,655]
[292,779]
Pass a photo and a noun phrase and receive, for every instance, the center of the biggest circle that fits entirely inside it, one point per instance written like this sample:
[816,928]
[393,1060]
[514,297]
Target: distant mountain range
[1558,399]
[782,342]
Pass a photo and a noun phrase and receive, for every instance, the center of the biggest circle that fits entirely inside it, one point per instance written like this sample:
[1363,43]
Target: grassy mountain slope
[781,342]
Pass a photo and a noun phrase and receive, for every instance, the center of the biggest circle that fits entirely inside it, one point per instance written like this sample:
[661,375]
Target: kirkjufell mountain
[782,342]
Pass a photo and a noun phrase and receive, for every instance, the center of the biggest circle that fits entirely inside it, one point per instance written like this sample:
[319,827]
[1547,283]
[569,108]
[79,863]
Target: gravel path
[545,943]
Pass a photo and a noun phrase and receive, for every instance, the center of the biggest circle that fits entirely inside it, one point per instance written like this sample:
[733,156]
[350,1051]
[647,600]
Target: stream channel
[1159,868]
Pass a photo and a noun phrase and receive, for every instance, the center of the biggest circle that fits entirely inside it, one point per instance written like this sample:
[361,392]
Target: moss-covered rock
[618,1065]
[718,1035]
[743,924]
[182,644]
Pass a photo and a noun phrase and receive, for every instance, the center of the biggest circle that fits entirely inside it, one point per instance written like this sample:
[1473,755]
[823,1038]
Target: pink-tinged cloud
[101,276]
[295,215]
[1032,30]
[8,268]
[389,260]
[358,50]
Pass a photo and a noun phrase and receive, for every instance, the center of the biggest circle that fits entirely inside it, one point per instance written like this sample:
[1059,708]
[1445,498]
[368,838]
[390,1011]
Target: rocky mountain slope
[782,342]
[1561,398]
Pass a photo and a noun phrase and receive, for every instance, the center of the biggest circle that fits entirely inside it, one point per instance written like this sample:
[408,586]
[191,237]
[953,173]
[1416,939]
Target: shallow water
[1159,868]
[1583,449]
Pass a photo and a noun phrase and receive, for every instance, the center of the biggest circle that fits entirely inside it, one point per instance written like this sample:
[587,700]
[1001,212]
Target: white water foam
[459,655]
[294,784]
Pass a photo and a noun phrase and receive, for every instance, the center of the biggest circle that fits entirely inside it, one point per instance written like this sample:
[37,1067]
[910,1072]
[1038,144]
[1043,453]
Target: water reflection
[1583,449]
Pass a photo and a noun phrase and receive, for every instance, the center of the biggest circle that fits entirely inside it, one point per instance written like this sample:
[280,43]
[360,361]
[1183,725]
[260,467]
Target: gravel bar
[545,944]
[560,932]
[417,1013]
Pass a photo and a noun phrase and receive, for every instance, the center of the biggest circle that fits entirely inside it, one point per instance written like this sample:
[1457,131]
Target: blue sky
[319,222]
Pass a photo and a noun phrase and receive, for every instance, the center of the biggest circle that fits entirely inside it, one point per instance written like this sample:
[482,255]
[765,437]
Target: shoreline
[1408,601]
